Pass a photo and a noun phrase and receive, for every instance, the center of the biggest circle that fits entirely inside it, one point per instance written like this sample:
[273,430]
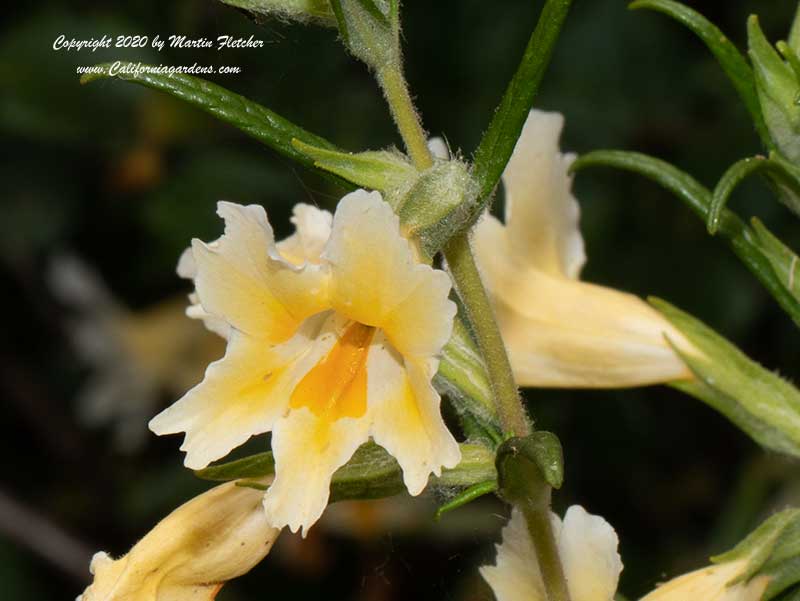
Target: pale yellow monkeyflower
[712,583]
[560,331]
[333,337]
[191,553]
[587,545]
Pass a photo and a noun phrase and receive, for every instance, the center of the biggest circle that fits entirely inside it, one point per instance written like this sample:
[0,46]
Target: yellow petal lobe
[337,386]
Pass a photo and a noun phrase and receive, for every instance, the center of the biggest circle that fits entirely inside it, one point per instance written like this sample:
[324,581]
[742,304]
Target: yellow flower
[587,545]
[560,331]
[191,553]
[333,338]
[712,583]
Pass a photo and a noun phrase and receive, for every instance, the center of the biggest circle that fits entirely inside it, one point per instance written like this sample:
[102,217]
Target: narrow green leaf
[730,59]
[254,466]
[467,496]
[784,261]
[735,175]
[477,465]
[255,120]
[761,403]
[498,141]
[790,56]
[385,171]
[698,198]
[794,34]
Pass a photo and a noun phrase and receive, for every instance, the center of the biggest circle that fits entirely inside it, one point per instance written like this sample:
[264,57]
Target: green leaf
[742,239]
[761,403]
[254,466]
[783,260]
[735,174]
[794,35]
[497,144]
[318,11]
[730,59]
[388,172]
[370,474]
[771,550]
[255,120]
[778,89]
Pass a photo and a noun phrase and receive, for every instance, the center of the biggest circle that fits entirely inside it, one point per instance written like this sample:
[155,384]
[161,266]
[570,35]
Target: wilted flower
[587,545]
[712,583]
[333,338]
[191,553]
[560,331]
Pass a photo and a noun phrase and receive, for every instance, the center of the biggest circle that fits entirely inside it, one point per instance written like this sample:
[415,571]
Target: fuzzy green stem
[479,311]
[405,115]
[540,528]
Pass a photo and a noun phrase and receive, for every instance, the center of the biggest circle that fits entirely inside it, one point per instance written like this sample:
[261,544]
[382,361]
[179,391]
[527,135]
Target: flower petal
[242,394]
[308,450]
[376,279]
[238,280]
[567,333]
[588,548]
[541,212]
[515,575]
[406,417]
[313,227]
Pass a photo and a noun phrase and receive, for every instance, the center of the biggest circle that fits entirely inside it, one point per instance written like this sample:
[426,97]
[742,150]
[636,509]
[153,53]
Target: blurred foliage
[123,178]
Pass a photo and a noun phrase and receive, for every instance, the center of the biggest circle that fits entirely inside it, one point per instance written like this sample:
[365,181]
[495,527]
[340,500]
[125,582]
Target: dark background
[122,178]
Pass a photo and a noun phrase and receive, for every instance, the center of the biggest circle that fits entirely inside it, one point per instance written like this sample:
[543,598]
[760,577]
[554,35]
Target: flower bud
[191,553]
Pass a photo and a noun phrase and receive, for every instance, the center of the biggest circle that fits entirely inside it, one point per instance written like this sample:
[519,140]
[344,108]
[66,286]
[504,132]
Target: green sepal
[528,467]
[389,172]
[439,204]
[370,30]
[370,474]
[758,401]
[728,56]
[771,550]
[500,138]
[784,261]
[253,119]
[778,90]
[465,497]
[317,11]
[697,197]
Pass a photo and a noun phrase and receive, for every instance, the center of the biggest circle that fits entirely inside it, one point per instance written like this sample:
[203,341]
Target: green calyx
[759,402]
[772,550]
[778,89]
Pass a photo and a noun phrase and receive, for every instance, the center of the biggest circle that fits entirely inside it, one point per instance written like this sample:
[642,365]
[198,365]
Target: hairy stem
[540,528]
[479,311]
[405,115]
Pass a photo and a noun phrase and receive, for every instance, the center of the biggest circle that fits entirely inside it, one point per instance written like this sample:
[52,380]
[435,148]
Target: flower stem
[466,276]
[540,527]
[405,115]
